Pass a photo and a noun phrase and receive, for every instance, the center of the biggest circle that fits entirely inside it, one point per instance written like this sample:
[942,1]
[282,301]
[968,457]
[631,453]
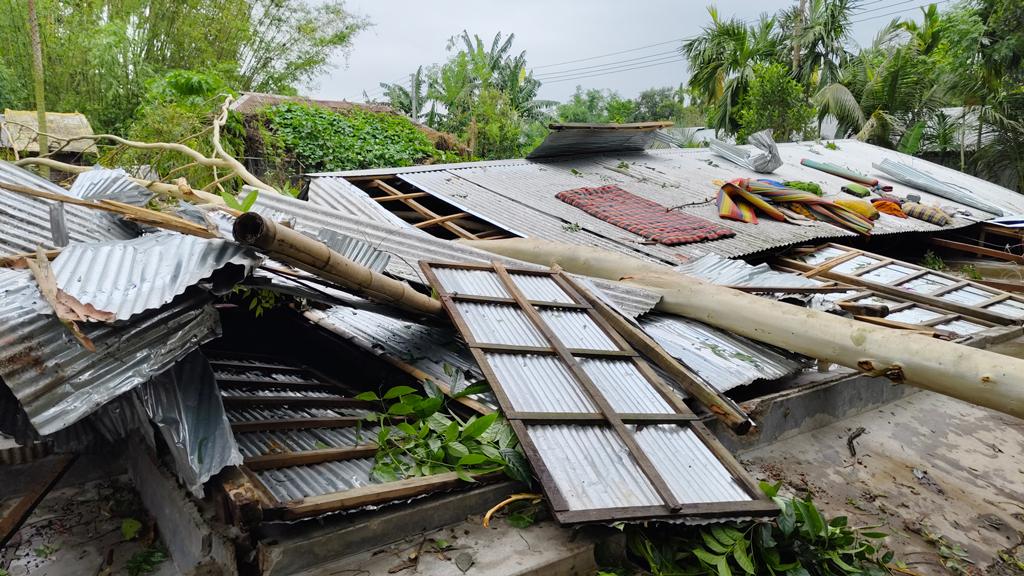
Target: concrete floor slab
[544,549]
[932,470]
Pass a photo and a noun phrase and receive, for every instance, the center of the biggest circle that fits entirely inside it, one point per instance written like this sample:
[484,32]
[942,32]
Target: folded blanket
[642,216]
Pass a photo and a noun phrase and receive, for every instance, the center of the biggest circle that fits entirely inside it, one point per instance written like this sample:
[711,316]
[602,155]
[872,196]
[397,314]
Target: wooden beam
[829,264]
[424,211]
[400,197]
[979,250]
[1016,287]
[792,289]
[16,516]
[440,220]
[300,401]
[305,458]
[375,494]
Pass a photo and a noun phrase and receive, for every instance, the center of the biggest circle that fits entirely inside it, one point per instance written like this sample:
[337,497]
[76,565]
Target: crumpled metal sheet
[184,404]
[25,221]
[718,270]
[57,381]
[129,277]
[766,160]
[109,184]
[722,359]
[924,181]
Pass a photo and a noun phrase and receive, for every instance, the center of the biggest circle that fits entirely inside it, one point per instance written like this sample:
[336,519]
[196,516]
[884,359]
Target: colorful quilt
[642,216]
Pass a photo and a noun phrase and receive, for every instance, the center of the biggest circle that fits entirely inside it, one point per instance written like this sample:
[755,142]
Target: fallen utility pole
[976,376]
[315,257]
[719,404]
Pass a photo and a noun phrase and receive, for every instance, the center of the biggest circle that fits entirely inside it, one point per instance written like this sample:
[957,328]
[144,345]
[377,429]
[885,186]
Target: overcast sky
[406,34]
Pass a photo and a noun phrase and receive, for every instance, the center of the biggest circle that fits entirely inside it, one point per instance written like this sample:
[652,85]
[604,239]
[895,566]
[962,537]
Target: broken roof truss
[608,438]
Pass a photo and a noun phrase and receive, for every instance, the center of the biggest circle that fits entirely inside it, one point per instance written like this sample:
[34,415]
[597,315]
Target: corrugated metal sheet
[25,221]
[338,194]
[109,184]
[624,386]
[356,250]
[282,441]
[409,245]
[718,270]
[722,359]
[500,324]
[129,277]
[592,468]
[298,482]
[58,381]
[237,414]
[538,383]
[435,350]
[476,282]
[540,288]
[576,139]
[676,178]
[694,473]
[521,199]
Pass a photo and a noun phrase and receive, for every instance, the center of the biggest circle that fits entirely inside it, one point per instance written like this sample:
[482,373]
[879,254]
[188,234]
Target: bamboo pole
[976,376]
[315,257]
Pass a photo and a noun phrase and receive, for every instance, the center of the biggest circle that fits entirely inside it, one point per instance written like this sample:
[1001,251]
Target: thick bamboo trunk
[313,256]
[976,376]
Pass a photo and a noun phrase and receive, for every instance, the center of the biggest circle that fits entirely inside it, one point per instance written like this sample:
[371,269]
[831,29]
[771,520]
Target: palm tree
[886,89]
[821,40]
[409,100]
[722,60]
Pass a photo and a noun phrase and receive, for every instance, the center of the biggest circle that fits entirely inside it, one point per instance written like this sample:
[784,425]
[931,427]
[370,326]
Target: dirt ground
[80,530]
[944,478]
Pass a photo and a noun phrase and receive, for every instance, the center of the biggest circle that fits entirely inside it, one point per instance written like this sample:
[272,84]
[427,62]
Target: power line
[899,11]
[886,7]
[614,68]
[606,64]
[609,54]
[615,71]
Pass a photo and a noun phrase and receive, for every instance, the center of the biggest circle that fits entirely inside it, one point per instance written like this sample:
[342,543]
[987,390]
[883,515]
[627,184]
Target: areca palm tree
[821,41]
[882,92]
[722,60]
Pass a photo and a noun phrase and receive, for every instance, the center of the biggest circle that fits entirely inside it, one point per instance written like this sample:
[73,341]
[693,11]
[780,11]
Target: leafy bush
[774,100]
[322,139]
[799,542]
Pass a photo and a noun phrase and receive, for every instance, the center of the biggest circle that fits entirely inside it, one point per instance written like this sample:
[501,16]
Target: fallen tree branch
[230,160]
[127,211]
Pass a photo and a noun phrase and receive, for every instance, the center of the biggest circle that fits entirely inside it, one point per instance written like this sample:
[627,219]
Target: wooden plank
[871,268]
[792,289]
[499,300]
[400,197]
[994,300]
[305,458]
[908,277]
[301,401]
[1015,287]
[585,352]
[374,494]
[755,508]
[979,250]
[440,220]
[598,418]
[268,384]
[829,264]
[627,438]
[16,516]
[255,366]
[947,289]
[296,424]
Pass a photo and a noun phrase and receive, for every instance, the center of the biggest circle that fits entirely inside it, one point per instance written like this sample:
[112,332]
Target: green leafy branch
[799,542]
[417,438]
